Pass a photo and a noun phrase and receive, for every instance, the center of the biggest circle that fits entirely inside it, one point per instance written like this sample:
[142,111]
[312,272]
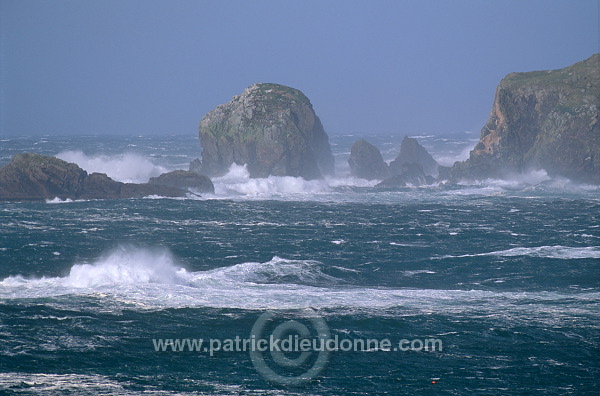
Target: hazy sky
[393,67]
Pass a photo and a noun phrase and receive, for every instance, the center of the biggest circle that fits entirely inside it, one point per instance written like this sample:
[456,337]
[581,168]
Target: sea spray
[126,167]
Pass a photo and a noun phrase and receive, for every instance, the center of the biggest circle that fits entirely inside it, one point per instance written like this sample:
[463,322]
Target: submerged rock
[412,152]
[541,120]
[35,177]
[366,161]
[271,128]
[185,180]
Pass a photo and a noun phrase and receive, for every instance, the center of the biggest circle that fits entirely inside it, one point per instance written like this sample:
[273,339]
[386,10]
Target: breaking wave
[556,252]
[127,167]
[58,200]
[121,266]
[237,182]
[137,278]
[128,265]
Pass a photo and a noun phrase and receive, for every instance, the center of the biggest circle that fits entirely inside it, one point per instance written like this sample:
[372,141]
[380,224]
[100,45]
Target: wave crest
[131,266]
[127,167]
[556,252]
[237,182]
[276,271]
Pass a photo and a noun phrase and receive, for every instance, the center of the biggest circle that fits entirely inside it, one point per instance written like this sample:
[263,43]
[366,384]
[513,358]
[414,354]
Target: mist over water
[137,159]
[127,167]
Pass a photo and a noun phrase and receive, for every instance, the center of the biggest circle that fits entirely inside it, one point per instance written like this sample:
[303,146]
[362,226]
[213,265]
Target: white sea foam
[125,266]
[238,183]
[557,252]
[128,265]
[58,200]
[417,272]
[127,167]
[93,384]
[514,181]
[143,279]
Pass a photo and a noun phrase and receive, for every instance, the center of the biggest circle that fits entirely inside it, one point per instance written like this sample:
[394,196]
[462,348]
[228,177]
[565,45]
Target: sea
[478,288]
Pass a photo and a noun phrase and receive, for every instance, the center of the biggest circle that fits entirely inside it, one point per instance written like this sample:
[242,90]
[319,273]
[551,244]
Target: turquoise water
[504,273]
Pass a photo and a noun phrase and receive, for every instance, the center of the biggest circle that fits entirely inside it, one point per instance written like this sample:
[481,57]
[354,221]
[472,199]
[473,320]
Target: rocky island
[366,161]
[413,165]
[272,129]
[35,177]
[541,120]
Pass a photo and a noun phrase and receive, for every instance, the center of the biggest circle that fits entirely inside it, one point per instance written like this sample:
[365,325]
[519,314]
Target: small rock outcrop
[408,173]
[392,182]
[409,166]
[541,120]
[411,152]
[185,180]
[35,177]
[366,161]
[271,128]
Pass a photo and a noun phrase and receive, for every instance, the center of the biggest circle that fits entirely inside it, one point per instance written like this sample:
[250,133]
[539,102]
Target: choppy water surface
[505,273]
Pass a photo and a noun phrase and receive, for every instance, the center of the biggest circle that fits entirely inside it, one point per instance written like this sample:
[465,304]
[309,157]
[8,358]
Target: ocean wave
[557,252]
[80,384]
[128,265]
[150,279]
[127,167]
[124,265]
[238,183]
[58,200]
[514,181]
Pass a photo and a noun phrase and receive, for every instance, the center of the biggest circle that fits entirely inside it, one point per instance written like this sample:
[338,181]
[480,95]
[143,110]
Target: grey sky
[393,67]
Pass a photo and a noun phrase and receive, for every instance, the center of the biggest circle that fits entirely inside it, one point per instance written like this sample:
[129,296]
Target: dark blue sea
[505,274]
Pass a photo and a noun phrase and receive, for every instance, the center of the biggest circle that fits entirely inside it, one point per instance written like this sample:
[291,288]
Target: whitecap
[557,252]
[237,183]
[149,279]
[58,200]
[127,167]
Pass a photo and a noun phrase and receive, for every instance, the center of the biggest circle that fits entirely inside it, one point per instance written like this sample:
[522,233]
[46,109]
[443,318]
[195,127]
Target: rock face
[34,177]
[408,168]
[408,173]
[271,128]
[31,176]
[184,180]
[411,152]
[542,120]
[366,161]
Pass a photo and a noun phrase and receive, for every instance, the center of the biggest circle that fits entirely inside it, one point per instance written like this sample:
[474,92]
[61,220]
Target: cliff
[271,128]
[35,177]
[541,120]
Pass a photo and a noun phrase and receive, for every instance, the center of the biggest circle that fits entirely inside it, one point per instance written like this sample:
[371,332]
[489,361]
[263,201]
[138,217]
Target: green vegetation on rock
[271,128]
[542,120]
